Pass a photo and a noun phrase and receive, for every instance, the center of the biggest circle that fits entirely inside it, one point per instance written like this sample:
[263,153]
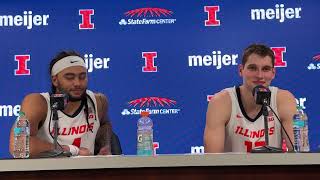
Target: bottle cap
[21,113]
[144,113]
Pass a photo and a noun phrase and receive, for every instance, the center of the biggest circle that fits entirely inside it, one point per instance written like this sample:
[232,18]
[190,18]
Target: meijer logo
[280,12]
[149,58]
[301,102]
[9,110]
[96,63]
[86,15]
[27,19]
[212,15]
[216,59]
[22,65]
[197,150]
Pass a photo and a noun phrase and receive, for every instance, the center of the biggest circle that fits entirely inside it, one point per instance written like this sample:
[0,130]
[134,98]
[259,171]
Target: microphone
[261,95]
[58,101]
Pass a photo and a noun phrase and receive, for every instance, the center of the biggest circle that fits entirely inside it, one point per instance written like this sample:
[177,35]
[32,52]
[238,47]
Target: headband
[66,62]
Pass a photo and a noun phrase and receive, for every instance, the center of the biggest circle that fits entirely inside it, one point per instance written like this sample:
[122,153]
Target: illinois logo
[86,22]
[316,63]
[149,58]
[154,105]
[147,16]
[22,68]
[212,19]
[278,55]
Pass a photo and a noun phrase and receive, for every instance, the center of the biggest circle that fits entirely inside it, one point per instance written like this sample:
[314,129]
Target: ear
[54,80]
[240,68]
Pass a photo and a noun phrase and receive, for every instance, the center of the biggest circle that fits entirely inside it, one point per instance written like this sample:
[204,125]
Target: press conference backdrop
[164,56]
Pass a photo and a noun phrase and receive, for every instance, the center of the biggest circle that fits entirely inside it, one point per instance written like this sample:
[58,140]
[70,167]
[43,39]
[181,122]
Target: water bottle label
[139,138]
[296,116]
[144,143]
[17,130]
[297,139]
[299,123]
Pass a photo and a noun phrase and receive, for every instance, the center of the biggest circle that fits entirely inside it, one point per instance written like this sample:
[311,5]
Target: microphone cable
[282,127]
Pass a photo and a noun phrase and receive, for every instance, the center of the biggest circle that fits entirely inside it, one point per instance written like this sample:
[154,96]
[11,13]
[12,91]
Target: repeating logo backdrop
[168,57]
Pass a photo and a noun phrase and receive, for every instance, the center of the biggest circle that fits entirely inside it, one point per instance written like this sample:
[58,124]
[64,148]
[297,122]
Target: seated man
[83,124]
[234,122]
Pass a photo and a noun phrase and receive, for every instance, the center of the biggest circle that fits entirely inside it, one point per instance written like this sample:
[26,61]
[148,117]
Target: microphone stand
[56,152]
[266,148]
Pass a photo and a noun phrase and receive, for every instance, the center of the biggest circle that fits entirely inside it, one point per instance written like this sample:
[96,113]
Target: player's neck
[72,107]
[248,100]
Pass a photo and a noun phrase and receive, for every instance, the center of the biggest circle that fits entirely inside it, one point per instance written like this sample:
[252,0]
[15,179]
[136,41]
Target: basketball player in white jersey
[84,127]
[234,122]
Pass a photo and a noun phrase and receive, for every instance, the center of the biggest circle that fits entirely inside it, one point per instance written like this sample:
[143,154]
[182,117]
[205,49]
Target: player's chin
[77,93]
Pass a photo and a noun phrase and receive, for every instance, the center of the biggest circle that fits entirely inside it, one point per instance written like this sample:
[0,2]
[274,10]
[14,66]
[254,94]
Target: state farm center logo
[147,16]
[154,105]
[316,64]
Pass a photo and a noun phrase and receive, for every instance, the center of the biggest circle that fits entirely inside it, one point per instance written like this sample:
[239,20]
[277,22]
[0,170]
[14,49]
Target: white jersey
[243,133]
[73,129]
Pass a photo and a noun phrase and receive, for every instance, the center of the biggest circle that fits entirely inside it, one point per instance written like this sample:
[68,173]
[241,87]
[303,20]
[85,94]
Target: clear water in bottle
[145,135]
[305,147]
[300,130]
[297,124]
[21,137]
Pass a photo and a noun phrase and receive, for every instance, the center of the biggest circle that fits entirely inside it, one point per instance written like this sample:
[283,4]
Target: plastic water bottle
[21,136]
[300,130]
[145,135]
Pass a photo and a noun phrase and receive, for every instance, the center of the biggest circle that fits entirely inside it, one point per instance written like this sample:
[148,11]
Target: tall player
[234,122]
[84,126]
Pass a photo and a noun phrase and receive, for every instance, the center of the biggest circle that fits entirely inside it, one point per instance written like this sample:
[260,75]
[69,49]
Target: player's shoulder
[285,98]
[284,95]
[100,96]
[221,96]
[220,100]
[34,98]
[35,106]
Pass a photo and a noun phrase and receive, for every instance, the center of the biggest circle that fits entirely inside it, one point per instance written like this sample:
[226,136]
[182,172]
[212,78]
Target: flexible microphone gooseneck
[282,127]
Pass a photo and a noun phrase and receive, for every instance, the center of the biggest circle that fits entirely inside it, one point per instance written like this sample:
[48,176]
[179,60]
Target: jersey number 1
[77,142]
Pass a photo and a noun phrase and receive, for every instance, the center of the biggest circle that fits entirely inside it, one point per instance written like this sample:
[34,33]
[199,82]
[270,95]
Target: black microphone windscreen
[261,94]
[58,101]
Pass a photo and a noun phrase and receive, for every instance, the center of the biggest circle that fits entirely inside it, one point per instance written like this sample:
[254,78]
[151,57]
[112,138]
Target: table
[303,166]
